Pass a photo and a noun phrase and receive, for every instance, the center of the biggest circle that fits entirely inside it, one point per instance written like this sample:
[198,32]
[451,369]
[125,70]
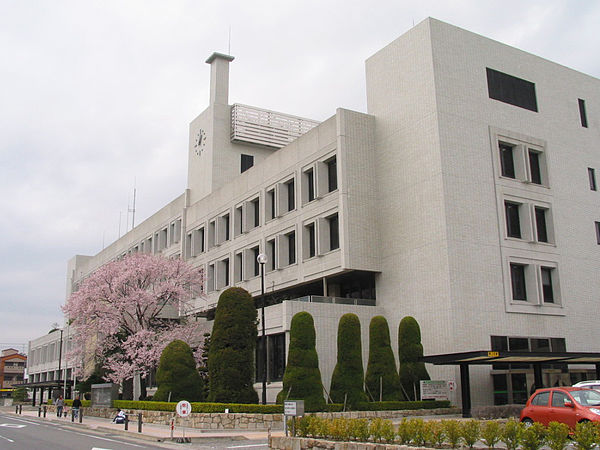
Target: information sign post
[292,408]
[183,408]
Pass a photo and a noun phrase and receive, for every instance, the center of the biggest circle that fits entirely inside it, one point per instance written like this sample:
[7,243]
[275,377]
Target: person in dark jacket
[76,406]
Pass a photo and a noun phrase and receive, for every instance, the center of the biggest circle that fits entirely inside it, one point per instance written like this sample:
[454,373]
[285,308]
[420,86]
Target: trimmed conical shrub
[382,376]
[231,351]
[347,382]
[177,375]
[302,377]
[410,350]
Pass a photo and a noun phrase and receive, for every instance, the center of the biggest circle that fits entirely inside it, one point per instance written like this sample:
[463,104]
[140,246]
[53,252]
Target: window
[592,178]
[222,274]
[286,197]
[334,232]
[198,241]
[270,251]
[210,278]
[247,161]
[226,226]
[255,208]
[541,399]
[511,90]
[523,161]
[275,357]
[291,195]
[255,265]
[309,185]
[237,267]
[238,221]
[212,228]
[513,225]
[291,237]
[547,290]
[540,222]
[270,204]
[507,162]
[310,239]
[559,399]
[331,174]
[535,170]
[517,278]
[597,232]
[582,114]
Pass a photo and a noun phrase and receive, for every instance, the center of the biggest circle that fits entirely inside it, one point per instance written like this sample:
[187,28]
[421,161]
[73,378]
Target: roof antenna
[229,44]
[132,210]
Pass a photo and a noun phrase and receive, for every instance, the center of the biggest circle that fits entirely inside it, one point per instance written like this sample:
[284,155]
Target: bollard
[80,414]
[139,422]
[40,411]
[20,409]
[126,422]
[172,427]
[16,409]
[45,408]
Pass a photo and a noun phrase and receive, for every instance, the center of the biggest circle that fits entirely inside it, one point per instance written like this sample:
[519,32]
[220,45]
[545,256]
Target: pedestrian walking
[60,404]
[76,405]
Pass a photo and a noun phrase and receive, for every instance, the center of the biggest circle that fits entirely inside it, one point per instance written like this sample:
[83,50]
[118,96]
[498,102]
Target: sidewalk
[150,431]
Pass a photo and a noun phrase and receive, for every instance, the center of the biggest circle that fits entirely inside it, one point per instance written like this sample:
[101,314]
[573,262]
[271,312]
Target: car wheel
[527,422]
[583,421]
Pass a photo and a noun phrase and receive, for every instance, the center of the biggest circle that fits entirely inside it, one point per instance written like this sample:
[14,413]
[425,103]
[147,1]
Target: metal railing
[264,127]
[336,300]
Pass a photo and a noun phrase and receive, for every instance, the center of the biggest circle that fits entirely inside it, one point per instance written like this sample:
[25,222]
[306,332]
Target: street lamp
[262,259]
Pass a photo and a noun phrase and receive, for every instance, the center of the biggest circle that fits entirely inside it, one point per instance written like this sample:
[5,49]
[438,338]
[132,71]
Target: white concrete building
[465,197]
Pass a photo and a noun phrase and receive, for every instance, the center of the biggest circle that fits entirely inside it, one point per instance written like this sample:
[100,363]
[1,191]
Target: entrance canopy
[49,385]
[483,357]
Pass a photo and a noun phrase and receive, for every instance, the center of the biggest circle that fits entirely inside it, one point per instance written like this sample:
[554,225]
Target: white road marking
[102,438]
[9,440]
[12,425]
[98,448]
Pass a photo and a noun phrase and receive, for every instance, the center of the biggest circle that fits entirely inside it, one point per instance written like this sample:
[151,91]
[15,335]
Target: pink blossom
[127,311]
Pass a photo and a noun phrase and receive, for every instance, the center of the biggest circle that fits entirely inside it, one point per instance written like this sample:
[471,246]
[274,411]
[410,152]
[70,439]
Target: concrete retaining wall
[245,421]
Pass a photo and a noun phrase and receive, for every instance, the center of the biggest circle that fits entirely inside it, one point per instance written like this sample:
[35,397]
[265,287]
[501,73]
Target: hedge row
[273,409]
[449,433]
[200,407]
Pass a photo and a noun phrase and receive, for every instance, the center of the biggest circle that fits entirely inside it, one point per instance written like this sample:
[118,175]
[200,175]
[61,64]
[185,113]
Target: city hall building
[465,196]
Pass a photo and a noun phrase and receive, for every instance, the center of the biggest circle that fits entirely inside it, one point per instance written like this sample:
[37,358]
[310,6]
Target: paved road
[27,433]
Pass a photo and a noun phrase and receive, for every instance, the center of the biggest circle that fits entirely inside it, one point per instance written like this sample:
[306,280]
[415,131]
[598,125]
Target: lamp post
[262,259]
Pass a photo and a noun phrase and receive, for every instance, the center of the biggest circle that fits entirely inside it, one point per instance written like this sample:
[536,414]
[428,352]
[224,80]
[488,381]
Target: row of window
[529,220]
[319,237]
[318,179]
[526,163]
[518,92]
[534,283]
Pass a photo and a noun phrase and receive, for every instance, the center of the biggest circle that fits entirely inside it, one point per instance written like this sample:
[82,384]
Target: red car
[569,405]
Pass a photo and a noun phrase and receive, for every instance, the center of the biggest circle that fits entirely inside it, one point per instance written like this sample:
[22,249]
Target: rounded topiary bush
[382,376]
[231,351]
[410,350]
[348,376]
[302,377]
[177,376]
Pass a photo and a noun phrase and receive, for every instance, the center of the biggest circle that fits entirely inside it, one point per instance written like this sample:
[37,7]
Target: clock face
[200,141]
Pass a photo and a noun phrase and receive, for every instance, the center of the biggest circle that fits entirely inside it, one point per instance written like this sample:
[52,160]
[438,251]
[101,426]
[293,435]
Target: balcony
[336,300]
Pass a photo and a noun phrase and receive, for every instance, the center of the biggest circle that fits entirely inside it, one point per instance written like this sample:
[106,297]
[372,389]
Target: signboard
[451,385]
[183,408]
[293,408]
[434,390]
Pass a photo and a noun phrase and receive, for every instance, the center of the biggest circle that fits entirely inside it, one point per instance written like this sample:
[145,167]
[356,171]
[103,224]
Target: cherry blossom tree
[126,312]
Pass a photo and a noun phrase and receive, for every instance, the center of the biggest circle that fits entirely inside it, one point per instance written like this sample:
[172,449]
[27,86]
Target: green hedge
[274,409]
[84,403]
[201,407]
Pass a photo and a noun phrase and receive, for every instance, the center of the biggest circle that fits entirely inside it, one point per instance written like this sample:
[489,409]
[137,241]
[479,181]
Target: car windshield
[587,397]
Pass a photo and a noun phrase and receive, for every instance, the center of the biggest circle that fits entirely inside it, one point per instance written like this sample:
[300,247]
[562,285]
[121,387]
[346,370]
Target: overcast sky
[97,94]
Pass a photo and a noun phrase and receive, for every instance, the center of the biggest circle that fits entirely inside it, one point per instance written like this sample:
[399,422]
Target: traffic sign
[183,408]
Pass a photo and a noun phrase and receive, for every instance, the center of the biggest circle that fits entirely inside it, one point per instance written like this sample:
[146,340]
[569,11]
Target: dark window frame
[592,179]
[511,90]
[246,162]
[513,220]
[507,160]
[582,113]
[541,224]
[547,287]
[518,281]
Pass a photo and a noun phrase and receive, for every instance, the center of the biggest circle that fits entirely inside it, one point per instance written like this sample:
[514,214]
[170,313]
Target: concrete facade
[419,205]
